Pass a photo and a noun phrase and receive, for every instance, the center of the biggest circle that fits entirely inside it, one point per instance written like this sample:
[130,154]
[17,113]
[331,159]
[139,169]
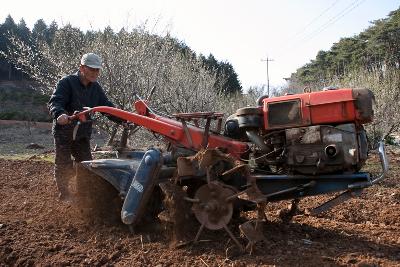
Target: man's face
[89,74]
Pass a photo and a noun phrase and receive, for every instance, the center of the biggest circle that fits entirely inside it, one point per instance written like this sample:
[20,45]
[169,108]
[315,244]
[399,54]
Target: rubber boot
[64,195]
[62,177]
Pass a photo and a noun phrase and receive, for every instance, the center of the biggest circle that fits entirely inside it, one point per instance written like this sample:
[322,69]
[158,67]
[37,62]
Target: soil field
[38,230]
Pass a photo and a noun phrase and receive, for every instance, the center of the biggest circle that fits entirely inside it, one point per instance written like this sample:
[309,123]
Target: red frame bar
[173,130]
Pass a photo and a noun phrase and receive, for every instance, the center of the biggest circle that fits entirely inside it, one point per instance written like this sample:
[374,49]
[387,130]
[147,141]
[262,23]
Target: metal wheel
[213,209]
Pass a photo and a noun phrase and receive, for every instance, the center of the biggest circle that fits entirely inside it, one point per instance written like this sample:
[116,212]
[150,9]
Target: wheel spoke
[234,238]
[198,233]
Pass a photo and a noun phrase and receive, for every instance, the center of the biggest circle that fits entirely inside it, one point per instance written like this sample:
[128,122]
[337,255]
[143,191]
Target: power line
[288,42]
[333,20]
[315,19]
[329,22]
[354,4]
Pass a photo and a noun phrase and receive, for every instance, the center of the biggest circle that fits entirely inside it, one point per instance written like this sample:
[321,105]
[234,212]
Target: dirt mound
[36,229]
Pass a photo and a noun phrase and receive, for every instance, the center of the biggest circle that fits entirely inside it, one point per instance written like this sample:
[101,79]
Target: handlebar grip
[79,115]
[73,117]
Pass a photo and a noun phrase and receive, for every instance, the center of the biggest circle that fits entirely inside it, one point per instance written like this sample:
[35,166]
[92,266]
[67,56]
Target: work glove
[63,119]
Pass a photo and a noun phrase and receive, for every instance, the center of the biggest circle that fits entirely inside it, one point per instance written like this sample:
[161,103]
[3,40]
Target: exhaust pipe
[331,151]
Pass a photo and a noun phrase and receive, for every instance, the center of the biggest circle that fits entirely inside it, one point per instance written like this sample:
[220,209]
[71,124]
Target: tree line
[226,78]
[136,64]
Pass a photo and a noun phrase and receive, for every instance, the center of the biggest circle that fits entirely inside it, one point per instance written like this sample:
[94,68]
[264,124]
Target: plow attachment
[212,190]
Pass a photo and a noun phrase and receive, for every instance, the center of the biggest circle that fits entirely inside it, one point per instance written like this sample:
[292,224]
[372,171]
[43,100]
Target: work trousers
[65,149]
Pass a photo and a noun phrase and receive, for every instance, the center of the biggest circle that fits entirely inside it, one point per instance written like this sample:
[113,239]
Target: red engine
[310,133]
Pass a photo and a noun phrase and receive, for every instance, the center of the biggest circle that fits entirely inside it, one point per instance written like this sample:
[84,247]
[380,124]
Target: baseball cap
[91,60]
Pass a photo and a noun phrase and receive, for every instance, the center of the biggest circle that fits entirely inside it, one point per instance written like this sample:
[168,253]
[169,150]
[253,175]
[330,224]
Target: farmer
[73,93]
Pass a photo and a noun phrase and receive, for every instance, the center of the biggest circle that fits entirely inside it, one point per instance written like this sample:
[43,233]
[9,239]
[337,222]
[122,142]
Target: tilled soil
[37,229]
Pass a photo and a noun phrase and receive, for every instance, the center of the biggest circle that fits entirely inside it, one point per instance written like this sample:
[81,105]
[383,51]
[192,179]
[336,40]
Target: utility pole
[267,60]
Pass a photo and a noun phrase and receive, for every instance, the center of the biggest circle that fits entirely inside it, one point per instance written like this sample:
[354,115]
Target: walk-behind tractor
[284,148]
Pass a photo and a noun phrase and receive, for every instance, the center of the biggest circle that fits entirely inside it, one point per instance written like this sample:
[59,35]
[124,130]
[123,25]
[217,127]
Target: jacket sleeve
[59,99]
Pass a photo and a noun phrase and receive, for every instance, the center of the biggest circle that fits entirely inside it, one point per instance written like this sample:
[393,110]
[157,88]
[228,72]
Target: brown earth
[36,229]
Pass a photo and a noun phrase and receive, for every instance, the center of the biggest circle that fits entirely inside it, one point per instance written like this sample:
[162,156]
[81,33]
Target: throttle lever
[76,127]
[81,117]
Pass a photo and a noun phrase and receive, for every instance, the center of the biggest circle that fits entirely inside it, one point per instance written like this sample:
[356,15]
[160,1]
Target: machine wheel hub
[214,209]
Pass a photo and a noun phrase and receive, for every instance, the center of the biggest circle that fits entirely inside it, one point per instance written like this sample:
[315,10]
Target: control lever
[81,117]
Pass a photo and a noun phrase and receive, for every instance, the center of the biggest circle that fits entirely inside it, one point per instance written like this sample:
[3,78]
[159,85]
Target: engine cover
[318,108]
[325,149]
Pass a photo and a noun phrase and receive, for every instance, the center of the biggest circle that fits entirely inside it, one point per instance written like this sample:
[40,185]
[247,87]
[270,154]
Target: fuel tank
[324,107]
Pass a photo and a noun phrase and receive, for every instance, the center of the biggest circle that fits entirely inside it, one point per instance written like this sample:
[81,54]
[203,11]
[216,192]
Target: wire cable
[313,20]
[333,20]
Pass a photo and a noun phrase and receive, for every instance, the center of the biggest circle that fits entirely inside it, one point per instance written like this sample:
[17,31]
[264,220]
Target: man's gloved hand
[63,119]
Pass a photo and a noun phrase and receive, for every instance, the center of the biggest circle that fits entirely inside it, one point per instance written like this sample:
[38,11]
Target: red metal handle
[172,129]
[81,116]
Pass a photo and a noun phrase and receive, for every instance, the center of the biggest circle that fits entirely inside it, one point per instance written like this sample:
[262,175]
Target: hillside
[19,102]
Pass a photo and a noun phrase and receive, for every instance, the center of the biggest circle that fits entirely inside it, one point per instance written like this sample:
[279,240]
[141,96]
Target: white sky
[291,32]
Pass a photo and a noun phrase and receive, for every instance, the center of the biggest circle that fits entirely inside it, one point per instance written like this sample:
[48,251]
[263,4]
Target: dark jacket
[71,95]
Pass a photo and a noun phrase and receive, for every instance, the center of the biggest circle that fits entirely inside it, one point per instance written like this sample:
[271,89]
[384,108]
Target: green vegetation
[22,115]
[23,104]
[375,49]
[23,96]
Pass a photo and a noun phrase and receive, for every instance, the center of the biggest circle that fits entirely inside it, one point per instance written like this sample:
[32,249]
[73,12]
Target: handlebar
[188,136]
[384,165]
[80,115]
